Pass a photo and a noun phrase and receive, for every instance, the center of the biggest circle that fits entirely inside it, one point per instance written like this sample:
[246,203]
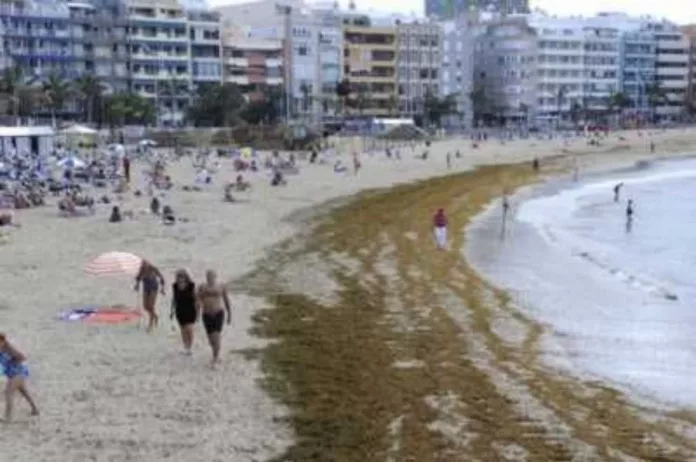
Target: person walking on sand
[211,298]
[13,367]
[184,307]
[356,163]
[440,228]
[152,281]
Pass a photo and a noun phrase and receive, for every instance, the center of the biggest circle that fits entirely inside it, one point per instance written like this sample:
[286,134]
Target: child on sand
[13,367]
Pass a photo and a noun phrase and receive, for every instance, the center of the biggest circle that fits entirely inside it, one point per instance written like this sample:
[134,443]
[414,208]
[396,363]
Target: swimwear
[150,284]
[213,322]
[11,369]
[185,304]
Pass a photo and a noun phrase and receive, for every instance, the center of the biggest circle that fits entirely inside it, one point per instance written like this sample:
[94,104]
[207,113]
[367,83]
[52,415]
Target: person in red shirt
[440,226]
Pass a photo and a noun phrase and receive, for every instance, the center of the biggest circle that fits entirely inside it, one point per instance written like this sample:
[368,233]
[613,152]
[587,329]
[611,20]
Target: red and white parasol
[113,263]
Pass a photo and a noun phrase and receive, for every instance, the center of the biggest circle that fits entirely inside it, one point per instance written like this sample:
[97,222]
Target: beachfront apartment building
[457,72]
[255,64]
[689,32]
[549,68]
[419,57]
[370,64]
[507,68]
[312,37]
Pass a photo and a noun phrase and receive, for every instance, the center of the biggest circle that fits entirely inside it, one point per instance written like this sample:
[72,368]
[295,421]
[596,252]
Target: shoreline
[481,247]
[324,346]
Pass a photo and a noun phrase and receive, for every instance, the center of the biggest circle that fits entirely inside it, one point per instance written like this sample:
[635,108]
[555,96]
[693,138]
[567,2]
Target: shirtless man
[211,296]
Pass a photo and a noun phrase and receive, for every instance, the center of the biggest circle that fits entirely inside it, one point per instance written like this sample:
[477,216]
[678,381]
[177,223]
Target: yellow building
[369,64]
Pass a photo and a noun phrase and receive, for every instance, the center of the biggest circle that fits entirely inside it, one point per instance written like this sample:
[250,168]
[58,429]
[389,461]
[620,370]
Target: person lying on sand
[13,367]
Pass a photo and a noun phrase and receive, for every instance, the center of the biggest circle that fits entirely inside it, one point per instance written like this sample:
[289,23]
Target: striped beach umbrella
[113,263]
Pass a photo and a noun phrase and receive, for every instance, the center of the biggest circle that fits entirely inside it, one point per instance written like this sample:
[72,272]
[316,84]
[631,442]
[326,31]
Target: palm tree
[17,92]
[216,105]
[91,91]
[56,92]
[172,90]
[343,91]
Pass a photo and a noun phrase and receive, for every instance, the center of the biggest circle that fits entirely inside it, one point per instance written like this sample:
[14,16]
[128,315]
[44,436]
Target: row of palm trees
[86,99]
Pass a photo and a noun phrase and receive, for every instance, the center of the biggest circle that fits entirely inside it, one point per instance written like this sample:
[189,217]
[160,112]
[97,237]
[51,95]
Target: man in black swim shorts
[211,297]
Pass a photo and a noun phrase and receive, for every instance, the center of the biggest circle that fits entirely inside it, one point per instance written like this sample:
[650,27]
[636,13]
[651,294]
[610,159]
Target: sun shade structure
[114,263]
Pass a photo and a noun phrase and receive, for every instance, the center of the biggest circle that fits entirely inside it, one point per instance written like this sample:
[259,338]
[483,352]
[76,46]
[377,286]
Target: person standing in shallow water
[617,192]
[440,228]
[629,215]
[212,296]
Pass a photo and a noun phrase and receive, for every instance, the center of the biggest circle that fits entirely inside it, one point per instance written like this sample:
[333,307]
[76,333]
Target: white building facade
[457,73]
[419,64]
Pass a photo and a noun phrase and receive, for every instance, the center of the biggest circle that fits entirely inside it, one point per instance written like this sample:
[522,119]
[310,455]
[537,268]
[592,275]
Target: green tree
[361,98]
[172,91]
[265,110]
[91,93]
[216,105]
[479,102]
[435,108]
[56,92]
[18,95]
[343,91]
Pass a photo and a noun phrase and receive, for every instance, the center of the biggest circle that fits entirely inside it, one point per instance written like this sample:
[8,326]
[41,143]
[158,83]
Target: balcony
[161,56]
[159,37]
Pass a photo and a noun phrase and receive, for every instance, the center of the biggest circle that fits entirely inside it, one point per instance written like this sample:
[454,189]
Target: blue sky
[679,11]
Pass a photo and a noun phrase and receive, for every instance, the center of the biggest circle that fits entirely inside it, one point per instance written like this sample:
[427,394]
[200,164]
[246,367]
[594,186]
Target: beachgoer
[126,169]
[356,163]
[168,217]
[155,206]
[617,191]
[115,215]
[449,160]
[184,307]
[13,367]
[440,227]
[211,298]
[153,281]
[629,215]
[535,164]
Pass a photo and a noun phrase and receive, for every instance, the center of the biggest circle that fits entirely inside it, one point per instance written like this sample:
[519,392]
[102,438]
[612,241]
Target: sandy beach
[116,393]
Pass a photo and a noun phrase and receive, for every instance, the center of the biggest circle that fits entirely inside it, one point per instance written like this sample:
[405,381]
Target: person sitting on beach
[155,206]
[168,217]
[13,367]
[339,167]
[228,192]
[66,204]
[240,184]
[278,179]
[6,218]
[116,216]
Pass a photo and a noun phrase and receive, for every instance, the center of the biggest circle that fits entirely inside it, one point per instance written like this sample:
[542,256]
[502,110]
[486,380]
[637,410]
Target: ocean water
[619,306]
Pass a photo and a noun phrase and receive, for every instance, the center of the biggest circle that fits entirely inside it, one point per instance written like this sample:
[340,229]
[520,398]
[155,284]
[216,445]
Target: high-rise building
[576,66]
[448,9]
[255,64]
[370,64]
[419,59]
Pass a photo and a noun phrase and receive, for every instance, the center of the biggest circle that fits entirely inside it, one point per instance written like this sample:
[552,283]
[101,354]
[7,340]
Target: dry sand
[116,393]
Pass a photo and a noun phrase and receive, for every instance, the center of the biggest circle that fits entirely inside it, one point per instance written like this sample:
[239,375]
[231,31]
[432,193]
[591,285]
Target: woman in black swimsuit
[184,306]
